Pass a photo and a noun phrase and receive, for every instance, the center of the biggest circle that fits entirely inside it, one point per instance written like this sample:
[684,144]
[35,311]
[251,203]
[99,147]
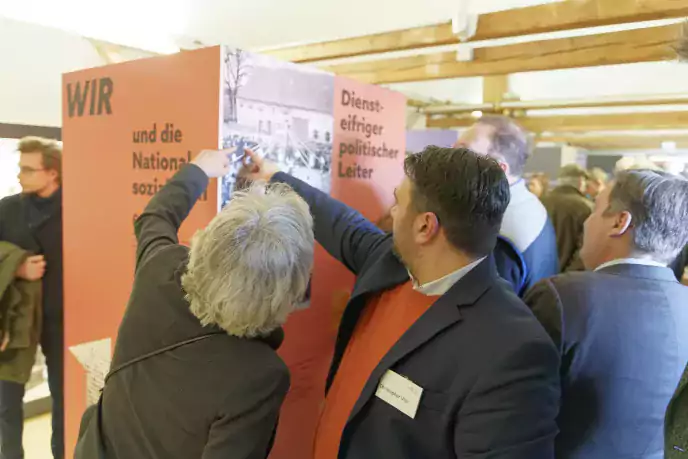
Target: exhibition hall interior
[361,229]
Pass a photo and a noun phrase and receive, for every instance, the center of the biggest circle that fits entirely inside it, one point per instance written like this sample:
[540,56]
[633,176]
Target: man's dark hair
[509,142]
[467,192]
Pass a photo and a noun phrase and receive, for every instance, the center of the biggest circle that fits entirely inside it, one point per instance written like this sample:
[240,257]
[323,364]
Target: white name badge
[400,392]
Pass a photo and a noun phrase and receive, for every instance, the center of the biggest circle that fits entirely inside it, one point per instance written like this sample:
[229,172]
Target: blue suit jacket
[488,370]
[623,336]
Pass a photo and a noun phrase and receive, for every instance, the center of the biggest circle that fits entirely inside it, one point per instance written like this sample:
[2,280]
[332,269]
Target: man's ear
[504,166]
[622,223]
[54,175]
[428,226]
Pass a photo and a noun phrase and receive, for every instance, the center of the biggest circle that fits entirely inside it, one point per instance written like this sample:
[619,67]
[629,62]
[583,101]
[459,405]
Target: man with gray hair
[568,208]
[597,182]
[621,328]
[526,249]
[206,322]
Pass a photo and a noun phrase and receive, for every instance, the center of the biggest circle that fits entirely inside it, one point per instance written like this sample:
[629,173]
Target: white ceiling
[259,24]
[249,24]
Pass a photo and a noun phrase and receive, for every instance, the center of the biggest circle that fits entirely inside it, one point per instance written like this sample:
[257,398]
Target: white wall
[32,61]
[615,80]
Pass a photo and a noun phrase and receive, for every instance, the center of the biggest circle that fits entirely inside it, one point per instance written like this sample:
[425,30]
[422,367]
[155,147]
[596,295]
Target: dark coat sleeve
[568,217]
[569,227]
[341,230]
[511,412]
[676,421]
[543,299]
[510,264]
[158,225]
[249,435]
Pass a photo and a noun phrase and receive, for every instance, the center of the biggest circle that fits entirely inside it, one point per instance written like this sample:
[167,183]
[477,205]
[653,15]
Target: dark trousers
[12,400]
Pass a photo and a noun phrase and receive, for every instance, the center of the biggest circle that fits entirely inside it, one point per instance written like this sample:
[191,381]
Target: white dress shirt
[442,285]
[631,261]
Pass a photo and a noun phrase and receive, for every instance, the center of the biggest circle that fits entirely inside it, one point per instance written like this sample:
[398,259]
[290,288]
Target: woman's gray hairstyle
[658,204]
[251,265]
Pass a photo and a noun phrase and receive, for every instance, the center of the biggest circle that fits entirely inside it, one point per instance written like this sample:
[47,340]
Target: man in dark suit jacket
[436,357]
[568,208]
[621,328]
[32,220]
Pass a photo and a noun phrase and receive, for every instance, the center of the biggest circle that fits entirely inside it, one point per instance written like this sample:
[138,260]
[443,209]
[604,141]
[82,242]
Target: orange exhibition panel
[127,128]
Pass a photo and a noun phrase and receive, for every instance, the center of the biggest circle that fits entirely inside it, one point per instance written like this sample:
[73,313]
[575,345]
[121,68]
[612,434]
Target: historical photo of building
[280,110]
[283,112]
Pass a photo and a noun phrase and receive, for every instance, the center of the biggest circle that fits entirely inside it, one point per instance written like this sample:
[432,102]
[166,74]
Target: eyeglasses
[28,170]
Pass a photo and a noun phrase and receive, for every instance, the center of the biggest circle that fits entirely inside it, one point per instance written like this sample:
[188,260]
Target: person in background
[435,357]
[621,327]
[32,221]
[528,241]
[596,183]
[568,208]
[232,288]
[538,184]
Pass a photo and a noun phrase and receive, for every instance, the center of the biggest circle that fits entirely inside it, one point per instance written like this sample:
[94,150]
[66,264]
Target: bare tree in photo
[237,69]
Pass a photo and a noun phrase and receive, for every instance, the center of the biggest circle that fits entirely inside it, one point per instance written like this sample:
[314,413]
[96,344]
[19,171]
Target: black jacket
[623,337]
[215,399]
[35,225]
[488,370]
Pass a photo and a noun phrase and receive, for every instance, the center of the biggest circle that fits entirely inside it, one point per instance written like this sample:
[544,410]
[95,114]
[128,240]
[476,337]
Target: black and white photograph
[279,110]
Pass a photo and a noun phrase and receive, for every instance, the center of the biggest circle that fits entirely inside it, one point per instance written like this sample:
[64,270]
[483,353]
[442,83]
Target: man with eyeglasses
[32,223]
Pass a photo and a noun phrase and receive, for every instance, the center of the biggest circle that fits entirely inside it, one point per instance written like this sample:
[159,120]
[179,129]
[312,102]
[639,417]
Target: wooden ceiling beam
[638,45]
[582,123]
[553,17]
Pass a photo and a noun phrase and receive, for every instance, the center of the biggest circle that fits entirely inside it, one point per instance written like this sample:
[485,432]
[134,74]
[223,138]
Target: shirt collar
[631,261]
[442,285]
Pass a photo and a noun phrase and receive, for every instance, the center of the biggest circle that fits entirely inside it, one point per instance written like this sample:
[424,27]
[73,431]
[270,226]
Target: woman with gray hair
[195,372]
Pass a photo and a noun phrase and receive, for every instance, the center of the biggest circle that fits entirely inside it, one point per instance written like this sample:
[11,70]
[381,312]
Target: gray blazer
[622,335]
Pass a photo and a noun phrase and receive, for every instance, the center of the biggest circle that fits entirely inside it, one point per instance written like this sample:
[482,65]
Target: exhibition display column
[127,128]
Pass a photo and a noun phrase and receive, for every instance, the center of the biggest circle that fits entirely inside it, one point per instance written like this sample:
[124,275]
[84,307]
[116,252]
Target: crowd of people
[492,317]
[437,356]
